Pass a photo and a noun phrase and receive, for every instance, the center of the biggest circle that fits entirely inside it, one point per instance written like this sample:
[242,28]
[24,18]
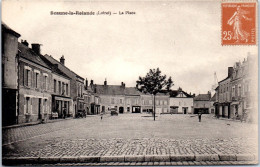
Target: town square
[126,83]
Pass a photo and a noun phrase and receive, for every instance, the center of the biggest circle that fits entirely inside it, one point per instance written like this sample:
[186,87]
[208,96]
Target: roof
[65,70]
[224,79]
[30,55]
[9,30]
[109,89]
[213,98]
[175,93]
[202,97]
[54,67]
[132,91]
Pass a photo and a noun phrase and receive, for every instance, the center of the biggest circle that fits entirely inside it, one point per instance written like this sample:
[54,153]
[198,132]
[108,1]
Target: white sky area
[183,39]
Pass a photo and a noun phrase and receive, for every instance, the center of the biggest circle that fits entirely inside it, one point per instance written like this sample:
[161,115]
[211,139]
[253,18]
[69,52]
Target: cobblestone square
[132,135]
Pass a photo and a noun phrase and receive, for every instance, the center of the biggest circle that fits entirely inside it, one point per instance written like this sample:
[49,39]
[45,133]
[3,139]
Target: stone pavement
[11,135]
[179,163]
[77,141]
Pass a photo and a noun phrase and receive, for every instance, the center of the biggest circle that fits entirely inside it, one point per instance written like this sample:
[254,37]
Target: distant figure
[64,113]
[101,115]
[199,115]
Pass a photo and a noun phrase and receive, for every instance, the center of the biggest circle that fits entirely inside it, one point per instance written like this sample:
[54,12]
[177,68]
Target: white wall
[182,102]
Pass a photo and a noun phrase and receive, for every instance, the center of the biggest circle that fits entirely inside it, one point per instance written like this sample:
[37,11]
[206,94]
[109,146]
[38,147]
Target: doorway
[39,109]
[121,110]
[185,110]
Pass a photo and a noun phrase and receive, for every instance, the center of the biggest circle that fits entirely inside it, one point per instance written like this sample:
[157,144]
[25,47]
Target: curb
[34,123]
[128,158]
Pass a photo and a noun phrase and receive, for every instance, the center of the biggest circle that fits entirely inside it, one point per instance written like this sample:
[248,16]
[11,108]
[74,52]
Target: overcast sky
[183,39]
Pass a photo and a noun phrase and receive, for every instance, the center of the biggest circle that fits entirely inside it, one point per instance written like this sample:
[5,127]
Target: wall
[33,94]
[10,50]
[106,100]
[182,102]
[162,104]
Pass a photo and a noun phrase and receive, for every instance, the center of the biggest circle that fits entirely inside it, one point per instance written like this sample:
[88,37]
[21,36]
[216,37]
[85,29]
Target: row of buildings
[37,87]
[236,94]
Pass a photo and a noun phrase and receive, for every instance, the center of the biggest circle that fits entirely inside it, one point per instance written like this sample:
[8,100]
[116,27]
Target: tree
[153,83]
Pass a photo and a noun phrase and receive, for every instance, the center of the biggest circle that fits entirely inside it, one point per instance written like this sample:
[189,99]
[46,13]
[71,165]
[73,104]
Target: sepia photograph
[129,83]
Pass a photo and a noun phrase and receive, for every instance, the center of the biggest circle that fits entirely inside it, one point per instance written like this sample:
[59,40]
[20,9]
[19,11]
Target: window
[165,102]
[81,91]
[45,83]
[67,89]
[121,101]
[63,88]
[55,86]
[150,102]
[59,83]
[27,103]
[157,102]
[45,106]
[26,77]
[233,91]
[239,90]
[37,80]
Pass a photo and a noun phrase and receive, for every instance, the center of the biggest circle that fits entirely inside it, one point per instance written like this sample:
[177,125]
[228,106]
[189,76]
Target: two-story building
[162,102]
[62,104]
[146,103]
[202,103]
[224,95]
[35,78]
[180,102]
[10,87]
[243,91]
[111,96]
[76,83]
[132,99]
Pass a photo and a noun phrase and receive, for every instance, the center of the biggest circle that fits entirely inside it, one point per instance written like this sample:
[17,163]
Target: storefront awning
[62,99]
[235,103]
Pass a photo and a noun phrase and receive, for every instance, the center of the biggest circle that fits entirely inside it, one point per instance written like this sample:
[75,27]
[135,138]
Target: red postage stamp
[238,24]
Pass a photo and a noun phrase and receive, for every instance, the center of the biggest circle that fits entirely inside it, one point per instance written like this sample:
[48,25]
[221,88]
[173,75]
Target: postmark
[238,24]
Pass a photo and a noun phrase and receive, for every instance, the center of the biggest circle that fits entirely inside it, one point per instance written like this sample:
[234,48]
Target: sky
[182,38]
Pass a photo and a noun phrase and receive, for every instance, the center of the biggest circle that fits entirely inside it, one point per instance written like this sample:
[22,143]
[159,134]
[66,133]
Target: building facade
[243,89]
[76,83]
[181,102]
[224,95]
[162,103]
[9,76]
[202,103]
[34,85]
[146,103]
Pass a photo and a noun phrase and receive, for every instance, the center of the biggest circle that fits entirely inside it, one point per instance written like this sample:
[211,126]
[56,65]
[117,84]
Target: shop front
[61,107]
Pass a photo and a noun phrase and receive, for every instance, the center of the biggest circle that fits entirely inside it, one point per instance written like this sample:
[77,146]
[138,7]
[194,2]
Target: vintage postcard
[124,83]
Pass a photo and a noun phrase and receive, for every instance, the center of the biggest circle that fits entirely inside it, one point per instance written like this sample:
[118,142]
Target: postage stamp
[238,24]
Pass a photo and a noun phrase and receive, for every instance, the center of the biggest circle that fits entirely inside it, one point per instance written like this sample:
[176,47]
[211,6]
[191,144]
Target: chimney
[209,93]
[62,60]
[105,82]
[230,71]
[86,82]
[25,43]
[36,48]
[122,84]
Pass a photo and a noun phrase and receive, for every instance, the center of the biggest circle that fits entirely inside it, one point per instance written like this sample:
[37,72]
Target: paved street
[131,134]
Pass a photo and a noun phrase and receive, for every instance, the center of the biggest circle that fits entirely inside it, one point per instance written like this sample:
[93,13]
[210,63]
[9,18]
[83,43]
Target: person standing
[64,113]
[101,115]
[199,115]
